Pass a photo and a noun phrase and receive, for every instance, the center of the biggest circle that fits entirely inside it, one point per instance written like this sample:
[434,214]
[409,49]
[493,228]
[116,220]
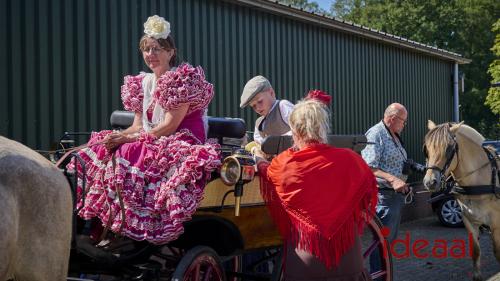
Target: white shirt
[286,108]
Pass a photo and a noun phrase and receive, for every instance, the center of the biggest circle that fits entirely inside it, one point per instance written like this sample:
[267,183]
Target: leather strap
[476,189]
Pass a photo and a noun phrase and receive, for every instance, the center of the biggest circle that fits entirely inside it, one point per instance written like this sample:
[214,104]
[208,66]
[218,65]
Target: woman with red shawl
[319,196]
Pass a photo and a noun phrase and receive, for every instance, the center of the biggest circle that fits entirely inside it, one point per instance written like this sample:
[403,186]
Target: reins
[122,207]
[468,189]
[472,172]
[483,189]
[74,149]
[118,189]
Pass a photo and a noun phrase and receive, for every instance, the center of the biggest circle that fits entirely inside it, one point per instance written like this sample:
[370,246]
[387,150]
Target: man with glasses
[386,158]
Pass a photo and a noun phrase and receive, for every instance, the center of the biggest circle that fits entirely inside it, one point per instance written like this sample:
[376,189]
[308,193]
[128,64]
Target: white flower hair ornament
[157,27]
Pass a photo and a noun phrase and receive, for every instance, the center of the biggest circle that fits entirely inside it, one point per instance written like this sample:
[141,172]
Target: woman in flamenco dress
[145,181]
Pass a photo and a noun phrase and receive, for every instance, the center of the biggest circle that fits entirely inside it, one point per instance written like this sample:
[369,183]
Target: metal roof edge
[276,7]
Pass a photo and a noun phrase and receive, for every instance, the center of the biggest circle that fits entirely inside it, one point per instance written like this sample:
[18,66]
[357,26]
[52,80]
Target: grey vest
[274,124]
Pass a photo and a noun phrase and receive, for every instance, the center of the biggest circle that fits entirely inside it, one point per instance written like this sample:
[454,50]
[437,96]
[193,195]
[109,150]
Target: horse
[456,150]
[35,216]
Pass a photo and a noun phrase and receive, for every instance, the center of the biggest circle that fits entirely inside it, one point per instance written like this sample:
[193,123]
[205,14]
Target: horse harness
[450,183]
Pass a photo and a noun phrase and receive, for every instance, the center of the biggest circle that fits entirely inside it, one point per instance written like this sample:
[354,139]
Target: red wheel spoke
[378,274]
[197,272]
[374,244]
[370,249]
[208,273]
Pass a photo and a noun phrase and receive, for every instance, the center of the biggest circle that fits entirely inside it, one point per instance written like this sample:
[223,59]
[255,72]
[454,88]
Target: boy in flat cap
[273,121]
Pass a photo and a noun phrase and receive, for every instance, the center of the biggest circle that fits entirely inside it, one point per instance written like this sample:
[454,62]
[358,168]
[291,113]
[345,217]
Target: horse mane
[440,137]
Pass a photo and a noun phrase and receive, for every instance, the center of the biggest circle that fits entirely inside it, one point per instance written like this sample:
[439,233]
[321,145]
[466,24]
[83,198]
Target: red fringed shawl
[317,196]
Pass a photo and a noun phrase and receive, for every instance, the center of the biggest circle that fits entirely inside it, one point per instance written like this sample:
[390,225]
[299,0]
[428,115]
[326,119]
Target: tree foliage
[306,5]
[461,26]
[493,98]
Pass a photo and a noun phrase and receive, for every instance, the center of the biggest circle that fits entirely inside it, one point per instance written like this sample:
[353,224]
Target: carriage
[230,237]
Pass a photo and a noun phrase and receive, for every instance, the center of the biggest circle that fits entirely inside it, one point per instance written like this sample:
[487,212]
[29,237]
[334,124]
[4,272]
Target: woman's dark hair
[167,44]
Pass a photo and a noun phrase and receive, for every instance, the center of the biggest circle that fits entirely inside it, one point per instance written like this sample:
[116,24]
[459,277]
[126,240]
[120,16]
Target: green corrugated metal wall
[63,63]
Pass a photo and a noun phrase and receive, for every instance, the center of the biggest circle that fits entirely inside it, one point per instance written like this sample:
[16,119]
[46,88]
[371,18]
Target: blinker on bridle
[451,151]
[451,186]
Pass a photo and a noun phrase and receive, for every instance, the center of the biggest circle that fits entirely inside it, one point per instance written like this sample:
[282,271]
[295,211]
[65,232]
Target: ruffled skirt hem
[145,190]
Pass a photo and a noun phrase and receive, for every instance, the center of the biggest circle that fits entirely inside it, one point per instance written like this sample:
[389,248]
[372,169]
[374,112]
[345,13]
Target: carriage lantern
[237,170]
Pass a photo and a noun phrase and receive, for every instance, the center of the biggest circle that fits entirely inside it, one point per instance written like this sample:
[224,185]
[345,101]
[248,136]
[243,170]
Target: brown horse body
[35,216]
[469,167]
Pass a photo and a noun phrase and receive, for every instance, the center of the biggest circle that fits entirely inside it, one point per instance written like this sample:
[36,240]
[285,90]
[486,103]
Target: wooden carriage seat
[218,127]
[273,145]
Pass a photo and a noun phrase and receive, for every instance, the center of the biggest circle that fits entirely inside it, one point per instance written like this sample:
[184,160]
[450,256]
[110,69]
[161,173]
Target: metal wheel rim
[205,265]
[451,212]
[378,245]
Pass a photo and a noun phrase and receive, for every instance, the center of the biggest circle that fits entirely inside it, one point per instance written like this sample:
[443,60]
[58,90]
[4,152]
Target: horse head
[454,149]
[441,149]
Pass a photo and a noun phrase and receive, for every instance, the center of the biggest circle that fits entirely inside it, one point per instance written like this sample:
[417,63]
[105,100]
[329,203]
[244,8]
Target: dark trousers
[389,207]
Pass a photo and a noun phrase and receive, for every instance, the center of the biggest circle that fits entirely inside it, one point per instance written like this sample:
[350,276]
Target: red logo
[423,248]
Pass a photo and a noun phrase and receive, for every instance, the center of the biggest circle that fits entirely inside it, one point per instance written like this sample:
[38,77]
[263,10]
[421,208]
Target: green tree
[306,5]
[462,26]
[493,98]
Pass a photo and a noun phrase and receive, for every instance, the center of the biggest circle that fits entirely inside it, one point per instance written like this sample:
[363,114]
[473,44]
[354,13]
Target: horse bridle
[450,184]
[451,151]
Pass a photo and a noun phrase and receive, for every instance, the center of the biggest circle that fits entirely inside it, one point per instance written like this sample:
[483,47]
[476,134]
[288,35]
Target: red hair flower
[320,96]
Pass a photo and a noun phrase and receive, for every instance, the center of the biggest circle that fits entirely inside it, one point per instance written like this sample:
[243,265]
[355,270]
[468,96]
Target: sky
[324,4]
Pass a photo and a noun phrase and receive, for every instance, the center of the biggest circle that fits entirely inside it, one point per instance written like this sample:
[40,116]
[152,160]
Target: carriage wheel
[232,266]
[257,265]
[373,240]
[199,263]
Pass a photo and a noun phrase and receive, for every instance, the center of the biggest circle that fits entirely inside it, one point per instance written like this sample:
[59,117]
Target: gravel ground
[440,266]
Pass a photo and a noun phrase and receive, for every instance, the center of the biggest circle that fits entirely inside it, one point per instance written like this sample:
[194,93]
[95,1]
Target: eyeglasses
[404,120]
[154,50]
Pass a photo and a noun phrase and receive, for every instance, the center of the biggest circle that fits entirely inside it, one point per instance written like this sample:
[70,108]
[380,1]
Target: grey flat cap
[253,87]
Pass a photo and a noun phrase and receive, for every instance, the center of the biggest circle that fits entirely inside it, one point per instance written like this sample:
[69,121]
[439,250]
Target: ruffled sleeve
[132,93]
[185,85]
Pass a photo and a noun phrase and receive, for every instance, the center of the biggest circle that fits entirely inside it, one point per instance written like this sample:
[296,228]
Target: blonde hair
[438,139]
[310,121]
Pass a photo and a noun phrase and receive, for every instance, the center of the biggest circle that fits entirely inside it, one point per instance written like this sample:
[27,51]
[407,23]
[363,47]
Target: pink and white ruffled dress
[160,181]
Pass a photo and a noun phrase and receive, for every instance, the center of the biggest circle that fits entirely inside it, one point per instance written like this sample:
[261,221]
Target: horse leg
[476,250]
[495,234]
